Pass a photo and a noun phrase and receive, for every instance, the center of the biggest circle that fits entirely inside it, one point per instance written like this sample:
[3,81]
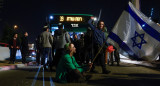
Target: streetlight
[15,27]
[51,17]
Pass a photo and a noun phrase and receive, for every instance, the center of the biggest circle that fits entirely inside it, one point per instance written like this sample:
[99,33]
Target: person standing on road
[14,44]
[88,46]
[24,47]
[115,55]
[98,41]
[46,40]
[38,50]
[61,37]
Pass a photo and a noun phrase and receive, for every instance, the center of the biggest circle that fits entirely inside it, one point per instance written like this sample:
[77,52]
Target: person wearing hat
[61,37]
[68,70]
[46,41]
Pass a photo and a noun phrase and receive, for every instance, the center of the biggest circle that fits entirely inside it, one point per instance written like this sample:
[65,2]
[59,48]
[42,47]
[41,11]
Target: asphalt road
[123,75]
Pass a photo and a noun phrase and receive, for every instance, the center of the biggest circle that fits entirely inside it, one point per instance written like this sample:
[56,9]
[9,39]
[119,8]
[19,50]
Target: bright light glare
[33,53]
[143,25]
[127,60]
[95,19]
[15,26]
[51,17]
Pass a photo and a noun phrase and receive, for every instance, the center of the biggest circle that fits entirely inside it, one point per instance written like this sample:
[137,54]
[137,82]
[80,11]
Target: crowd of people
[72,57]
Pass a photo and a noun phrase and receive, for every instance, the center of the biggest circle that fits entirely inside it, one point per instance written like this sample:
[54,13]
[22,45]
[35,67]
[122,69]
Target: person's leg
[44,57]
[117,58]
[14,55]
[112,56]
[106,57]
[24,54]
[75,76]
[86,53]
[11,55]
[41,56]
[102,61]
[38,57]
[57,56]
[50,58]
[53,56]
[95,50]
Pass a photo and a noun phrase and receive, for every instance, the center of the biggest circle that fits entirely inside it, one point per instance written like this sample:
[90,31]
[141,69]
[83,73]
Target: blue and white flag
[136,34]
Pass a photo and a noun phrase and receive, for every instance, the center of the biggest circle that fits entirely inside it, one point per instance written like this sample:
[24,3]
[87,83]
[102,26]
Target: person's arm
[80,68]
[67,37]
[18,43]
[104,39]
[72,65]
[10,43]
[40,39]
[91,25]
[51,38]
[68,63]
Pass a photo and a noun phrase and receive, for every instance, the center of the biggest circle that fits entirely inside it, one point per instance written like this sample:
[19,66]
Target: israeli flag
[136,34]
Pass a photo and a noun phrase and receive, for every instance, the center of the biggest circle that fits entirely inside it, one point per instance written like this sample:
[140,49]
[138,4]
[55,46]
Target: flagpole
[99,14]
[136,3]
[97,53]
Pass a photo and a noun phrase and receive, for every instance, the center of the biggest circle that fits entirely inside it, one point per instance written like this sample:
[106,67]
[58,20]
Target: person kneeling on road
[68,70]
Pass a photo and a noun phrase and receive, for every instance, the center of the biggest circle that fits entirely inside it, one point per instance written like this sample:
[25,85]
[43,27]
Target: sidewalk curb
[15,66]
[152,64]
[11,67]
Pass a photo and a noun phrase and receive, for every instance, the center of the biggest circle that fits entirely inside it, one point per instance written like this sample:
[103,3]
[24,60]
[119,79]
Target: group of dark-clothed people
[46,44]
[79,44]
[15,44]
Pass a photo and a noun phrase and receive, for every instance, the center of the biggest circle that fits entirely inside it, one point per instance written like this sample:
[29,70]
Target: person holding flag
[98,44]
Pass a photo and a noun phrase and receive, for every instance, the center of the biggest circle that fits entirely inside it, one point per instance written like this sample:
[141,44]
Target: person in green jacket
[68,70]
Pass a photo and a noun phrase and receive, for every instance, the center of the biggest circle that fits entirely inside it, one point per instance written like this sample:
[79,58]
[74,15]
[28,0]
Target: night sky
[30,15]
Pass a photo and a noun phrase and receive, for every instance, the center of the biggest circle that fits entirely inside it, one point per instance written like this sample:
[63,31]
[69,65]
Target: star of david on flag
[134,39]
[136,34]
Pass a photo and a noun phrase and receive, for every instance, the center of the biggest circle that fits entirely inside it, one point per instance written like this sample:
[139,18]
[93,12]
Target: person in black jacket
[88,46]
[38,50]
[14,44]
[61,37]
[24,47]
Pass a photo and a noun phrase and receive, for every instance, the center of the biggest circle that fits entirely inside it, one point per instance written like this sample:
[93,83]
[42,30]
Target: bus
[77,23]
